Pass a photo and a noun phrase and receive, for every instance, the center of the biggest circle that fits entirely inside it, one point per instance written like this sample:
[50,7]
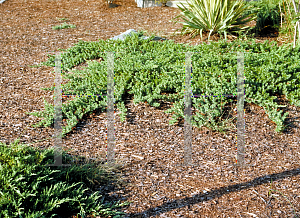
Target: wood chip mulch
[150,149]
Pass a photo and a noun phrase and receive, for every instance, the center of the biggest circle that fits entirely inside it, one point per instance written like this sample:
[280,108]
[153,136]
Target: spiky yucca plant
[215,16]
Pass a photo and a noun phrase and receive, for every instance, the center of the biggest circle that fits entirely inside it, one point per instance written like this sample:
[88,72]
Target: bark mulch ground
[146,144]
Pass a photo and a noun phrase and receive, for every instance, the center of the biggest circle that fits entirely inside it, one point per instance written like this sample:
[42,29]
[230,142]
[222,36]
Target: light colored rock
[147,3]
[174,4]
[122,36]
[129,32]
[152,3]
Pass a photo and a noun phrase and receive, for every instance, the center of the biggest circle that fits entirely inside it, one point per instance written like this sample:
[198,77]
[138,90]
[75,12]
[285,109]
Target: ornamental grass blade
[214,16]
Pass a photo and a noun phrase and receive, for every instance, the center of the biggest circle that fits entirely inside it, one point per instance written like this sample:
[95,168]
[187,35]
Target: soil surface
[147,146]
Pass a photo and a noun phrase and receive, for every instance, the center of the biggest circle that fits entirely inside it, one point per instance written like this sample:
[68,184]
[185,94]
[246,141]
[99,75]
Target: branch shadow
[198,198]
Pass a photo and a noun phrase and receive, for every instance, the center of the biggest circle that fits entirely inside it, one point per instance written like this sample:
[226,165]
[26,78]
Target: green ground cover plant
[62,19]
[148,68]
[30,189]
[63,26]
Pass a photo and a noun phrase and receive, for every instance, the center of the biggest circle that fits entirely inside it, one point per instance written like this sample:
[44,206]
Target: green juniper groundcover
[148,68]
[30,189]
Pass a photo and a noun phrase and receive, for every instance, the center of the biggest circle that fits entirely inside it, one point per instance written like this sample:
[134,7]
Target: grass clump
[268,14]
[29,188]
[63,26]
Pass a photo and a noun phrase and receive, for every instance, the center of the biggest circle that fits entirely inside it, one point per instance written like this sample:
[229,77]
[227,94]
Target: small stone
[112,5]
[122,36]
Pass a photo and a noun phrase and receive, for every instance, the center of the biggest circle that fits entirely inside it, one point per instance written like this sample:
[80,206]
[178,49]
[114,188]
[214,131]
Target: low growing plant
[63,26]
[62,19]
[147,69]
[29,188]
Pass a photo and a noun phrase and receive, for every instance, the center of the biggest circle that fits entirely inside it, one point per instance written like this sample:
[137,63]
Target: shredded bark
[150,150]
